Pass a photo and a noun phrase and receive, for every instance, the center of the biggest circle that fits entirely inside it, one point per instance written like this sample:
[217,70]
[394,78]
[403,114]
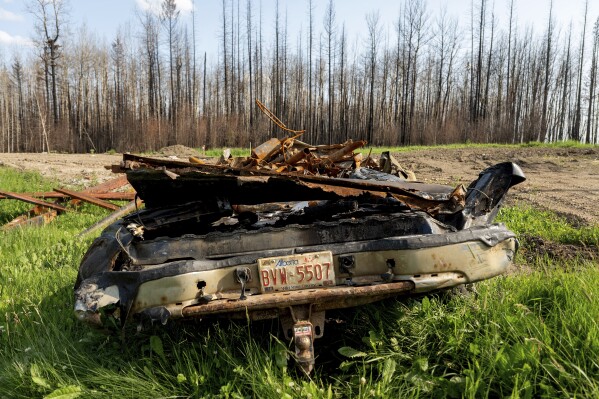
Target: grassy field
[531,333]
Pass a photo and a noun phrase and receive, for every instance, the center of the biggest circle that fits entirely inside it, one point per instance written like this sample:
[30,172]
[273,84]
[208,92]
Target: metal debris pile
[293,156]
[166,183]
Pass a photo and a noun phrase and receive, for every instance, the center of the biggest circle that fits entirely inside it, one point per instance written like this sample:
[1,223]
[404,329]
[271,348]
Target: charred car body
[236,241]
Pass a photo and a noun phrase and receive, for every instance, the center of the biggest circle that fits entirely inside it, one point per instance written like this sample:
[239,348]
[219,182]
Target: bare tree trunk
[225,58]
[329,27]
[543,130]
[508,97]
[593,80]
[576,125]
[249,39]
[310,43]
[372,21]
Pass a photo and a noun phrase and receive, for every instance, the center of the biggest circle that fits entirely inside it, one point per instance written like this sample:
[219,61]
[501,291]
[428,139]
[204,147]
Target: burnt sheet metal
[198,248]
[486,194]
[494,181]
[240,186]
[270,239]
[177,217]
[109,248]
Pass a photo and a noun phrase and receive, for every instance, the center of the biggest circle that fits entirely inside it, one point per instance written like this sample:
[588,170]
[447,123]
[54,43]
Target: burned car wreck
[290,232]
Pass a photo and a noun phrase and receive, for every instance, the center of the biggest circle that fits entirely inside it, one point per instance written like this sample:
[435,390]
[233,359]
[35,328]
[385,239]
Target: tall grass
[530,335]
[526,220]
[524,336]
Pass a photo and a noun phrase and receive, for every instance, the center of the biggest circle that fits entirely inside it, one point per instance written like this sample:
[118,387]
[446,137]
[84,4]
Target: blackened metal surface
[486,194]
[490,236]
[159,191]
[249,187]
[182,217]
[218,245]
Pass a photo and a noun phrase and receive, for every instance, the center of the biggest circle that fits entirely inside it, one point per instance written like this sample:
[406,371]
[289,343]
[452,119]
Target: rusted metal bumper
[271,305]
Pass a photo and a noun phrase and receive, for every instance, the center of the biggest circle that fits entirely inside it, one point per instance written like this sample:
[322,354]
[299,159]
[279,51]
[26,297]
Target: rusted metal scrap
[265,185]
[112,196]
[46,211]
[292,156]
[32,200]
[291,231]
[37,216]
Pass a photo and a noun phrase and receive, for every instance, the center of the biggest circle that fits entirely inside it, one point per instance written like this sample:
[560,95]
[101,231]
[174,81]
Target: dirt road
[564,180]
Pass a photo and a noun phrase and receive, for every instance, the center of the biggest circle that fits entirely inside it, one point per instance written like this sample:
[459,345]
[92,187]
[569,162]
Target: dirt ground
[564,180]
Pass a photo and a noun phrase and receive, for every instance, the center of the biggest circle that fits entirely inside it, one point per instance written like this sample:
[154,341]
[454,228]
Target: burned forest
[431,77]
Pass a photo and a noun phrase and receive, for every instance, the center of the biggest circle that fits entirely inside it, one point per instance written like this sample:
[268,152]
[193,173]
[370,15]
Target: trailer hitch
[302,326]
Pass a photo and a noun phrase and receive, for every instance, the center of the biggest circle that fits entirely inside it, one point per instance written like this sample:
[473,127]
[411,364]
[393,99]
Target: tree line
[427,79]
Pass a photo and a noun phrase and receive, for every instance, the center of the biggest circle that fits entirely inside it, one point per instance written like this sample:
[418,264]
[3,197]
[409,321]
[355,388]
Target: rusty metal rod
[31,200]
[340,295]
[339,154]
[126,196]
[125,210]
[298,156]
[87,198]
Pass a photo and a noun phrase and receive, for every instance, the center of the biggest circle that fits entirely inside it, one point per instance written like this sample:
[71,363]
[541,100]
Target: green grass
[520,336]
[524,336]
[526,220]
[559,144]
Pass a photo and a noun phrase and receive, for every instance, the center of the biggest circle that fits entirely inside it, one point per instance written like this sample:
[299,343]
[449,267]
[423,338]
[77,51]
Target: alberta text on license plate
[296,272]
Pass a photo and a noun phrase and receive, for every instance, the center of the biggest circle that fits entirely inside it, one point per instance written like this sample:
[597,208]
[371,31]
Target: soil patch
[562,180]
[71,170]
[539,247]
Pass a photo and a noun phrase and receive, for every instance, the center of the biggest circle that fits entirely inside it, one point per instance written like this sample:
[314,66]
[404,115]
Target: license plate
[296,272]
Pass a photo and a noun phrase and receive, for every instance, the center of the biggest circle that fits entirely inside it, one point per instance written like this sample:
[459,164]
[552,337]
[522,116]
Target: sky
[106,17]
